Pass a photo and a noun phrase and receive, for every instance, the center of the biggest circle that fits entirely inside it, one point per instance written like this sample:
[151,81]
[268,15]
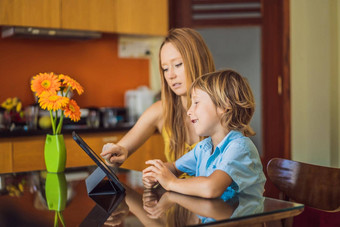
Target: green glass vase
[55,153]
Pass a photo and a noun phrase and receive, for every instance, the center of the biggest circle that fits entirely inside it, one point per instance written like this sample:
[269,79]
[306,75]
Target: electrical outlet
[132,47]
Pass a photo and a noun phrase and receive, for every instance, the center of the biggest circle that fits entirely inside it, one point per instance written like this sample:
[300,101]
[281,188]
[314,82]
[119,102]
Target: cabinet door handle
[110,139]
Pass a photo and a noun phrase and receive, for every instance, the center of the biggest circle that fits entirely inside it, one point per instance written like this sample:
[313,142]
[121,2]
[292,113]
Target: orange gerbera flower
[68,81]
[45,82]
[46,87]
[52,101]
[72,110]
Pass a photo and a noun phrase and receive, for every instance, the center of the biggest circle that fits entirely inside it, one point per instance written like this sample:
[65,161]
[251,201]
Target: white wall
[315,81]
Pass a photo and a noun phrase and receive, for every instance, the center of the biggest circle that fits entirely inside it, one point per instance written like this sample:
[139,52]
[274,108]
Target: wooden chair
[312,185]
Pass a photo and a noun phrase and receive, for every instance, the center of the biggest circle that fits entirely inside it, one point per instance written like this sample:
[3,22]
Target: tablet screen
[97,160]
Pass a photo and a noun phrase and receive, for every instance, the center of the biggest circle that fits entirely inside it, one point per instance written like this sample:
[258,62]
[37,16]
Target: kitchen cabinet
[37,13]
[147,17]
[5,156]
[27,153]
[91,15]
[153,148]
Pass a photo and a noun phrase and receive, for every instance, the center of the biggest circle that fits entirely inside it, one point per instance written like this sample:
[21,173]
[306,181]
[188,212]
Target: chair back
[313,185]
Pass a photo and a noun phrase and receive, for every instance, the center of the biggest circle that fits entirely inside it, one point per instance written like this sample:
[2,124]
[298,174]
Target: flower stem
[53,122]
[60,125]
[56,219]
[61,217]
[68,89]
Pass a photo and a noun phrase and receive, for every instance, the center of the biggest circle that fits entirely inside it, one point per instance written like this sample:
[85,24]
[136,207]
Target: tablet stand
[95,184]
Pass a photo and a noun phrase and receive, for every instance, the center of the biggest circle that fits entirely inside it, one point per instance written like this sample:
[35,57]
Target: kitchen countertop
[67,129]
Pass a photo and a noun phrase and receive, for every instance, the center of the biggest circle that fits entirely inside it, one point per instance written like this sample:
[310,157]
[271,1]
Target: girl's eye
[165,70]
[179,64]
[196,102]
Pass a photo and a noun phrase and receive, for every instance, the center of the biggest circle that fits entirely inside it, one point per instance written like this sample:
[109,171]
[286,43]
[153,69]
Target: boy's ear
[228,107]
[221,111]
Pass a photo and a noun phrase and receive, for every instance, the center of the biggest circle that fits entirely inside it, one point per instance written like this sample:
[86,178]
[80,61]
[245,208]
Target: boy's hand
[154,207]
[159,172]
[114,154]
[149,182]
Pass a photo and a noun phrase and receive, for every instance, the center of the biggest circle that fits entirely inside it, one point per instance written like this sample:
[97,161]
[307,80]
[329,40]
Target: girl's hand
[114,154]
[158,171]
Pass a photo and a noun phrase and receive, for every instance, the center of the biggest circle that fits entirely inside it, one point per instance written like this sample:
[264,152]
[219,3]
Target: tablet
[107,170]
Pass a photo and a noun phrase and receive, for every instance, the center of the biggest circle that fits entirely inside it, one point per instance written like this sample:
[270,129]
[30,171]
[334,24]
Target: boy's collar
[233,134]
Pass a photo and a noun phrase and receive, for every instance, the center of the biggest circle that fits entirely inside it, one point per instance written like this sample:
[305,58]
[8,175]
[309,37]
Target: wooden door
[272,16]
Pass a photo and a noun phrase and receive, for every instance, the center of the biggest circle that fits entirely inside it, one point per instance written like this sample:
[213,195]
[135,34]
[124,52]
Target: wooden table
[36,198]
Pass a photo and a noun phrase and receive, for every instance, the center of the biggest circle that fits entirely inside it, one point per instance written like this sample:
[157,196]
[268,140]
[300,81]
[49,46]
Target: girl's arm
[147,124]
[212,186]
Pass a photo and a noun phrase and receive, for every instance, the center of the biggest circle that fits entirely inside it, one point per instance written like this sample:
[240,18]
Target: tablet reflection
[109,210]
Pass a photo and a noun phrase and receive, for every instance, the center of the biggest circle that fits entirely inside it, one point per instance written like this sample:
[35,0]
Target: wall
[93,63]
[242,52]
[315,80]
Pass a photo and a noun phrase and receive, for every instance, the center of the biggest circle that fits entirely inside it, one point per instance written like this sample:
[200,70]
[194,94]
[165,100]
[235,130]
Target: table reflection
[182,210]
[50,199]
[163,208]
[56,195]
[109,209]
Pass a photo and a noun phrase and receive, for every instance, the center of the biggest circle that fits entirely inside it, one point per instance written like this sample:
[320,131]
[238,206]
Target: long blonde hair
[197,60]
[231,92]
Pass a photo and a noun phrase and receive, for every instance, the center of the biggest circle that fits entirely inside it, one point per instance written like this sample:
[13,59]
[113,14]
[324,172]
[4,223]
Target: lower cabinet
[153,148]
[6,164]
[27,153]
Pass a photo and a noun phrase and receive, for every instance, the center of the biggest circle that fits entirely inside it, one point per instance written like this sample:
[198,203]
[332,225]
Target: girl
[226,162]
[182,56]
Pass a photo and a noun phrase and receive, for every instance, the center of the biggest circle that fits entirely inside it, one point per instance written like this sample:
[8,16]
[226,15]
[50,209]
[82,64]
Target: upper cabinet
[143,17]
[91,15]
[36,13]
[149,17]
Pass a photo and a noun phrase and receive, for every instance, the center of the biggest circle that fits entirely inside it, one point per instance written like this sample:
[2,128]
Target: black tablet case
[95,184]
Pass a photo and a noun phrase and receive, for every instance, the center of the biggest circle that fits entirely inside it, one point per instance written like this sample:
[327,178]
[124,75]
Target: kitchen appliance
[137,101]
[110,118]
[47,33]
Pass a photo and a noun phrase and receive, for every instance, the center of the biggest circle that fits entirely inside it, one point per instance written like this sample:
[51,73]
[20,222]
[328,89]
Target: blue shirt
[236,155]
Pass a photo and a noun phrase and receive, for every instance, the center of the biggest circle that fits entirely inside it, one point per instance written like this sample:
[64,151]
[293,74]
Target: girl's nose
[171,73]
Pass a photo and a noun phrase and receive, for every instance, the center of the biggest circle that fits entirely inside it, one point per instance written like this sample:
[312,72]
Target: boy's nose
[189,112]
